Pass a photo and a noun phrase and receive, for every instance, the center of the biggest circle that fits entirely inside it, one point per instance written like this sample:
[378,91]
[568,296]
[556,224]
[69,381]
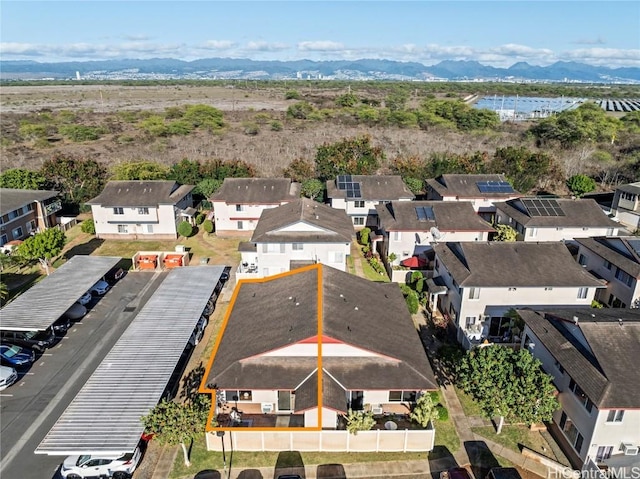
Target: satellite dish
[435,232]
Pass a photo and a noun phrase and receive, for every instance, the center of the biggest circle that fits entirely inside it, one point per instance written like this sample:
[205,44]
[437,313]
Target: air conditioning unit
[267,407]
[629,449]
[377,409]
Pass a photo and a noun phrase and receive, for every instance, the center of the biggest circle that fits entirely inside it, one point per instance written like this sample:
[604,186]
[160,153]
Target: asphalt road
[30,407]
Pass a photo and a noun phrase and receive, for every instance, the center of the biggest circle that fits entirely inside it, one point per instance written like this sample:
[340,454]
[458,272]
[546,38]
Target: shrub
[364,235]
[443,412]
[581,184]
[413,303]
[292,95]
[300,110]
[79,133]
[207,226]
[185,229]
[359,421]
[88,226]
[200,218]
[276,125]
[251,129]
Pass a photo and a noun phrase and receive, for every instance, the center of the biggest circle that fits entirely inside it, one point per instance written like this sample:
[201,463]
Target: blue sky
[497,33]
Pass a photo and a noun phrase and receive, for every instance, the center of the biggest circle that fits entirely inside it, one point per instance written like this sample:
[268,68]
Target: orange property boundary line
[203,386]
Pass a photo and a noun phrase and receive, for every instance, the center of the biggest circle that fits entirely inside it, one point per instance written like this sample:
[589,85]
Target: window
[336,257]
[571,432]
[609,231]
[273,247]
[143,211]
[17,232]
[469,321]
[235,395]
[582,260]
[607,264]
[604,453]
[297,246]
[3,239]
[358,204]
[123,229]
[559,228]
[582,293]
[624,277]
[615,415]
[474,293]
[13,214]
[533,232]
[513,289]
[358,220]
[31,226]
[118,211]
[149,228]
[397,235]
[240,225]
[238,207]
[549,288]
[580,395]
[559,367]
[402,396]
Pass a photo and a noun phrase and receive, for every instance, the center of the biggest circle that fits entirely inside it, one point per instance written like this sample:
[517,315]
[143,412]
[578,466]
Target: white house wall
[301,226]
[565,234]
[615,433]
[408,243]
[163,222]
[480,205]
[226,216]
[328,350]
[325,253]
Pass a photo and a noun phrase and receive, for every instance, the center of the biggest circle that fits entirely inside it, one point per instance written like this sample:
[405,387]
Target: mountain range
[235,68]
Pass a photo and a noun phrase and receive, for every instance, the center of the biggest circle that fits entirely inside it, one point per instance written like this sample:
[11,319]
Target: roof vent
[575,320]
[297,304]
[355,308]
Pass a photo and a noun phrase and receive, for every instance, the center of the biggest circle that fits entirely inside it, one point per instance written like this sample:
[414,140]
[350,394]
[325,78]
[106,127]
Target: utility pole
[220,434]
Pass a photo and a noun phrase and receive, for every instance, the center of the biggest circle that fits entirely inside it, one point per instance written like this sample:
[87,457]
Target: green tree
[43,247]
[186,172]
[504,233]
[524,168]
[88,226]
[508,384]
[351,156]
[425,411]
[185,229]
[581,184]
[77,179]
[416,185]
[139,170]
[207,187]
[363,235]
[313,189]
[413,302]
[22,179]
[359,421]
[177,423]
[300,170]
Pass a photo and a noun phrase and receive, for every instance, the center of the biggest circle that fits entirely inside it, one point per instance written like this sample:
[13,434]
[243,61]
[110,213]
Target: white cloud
[218,45]
[590,41]
[266,46]
[613,57]
[25,49]
[320,46]
[136,37]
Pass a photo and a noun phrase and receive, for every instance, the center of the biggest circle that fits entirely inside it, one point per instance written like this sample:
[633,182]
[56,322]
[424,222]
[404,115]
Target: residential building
[25,212]
[589,354]
[617,261]
[239,202]
[409,228]
[483,281]
[555,219]
[358,195]
[296,234]
[298,350]
[626,205]
[481,190]
[141,209]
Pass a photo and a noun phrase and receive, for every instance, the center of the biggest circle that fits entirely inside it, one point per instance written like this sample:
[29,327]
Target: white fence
[325,441]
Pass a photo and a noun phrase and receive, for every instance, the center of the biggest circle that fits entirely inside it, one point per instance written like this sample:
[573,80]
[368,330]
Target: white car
[100,288]
[85,299]
[114,466]
[8,376]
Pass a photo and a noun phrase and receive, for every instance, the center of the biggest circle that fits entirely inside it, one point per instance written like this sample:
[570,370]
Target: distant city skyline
[496,33]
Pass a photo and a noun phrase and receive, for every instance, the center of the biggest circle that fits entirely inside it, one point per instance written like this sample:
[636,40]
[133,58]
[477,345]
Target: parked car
[16,356]
[115,275]
[456,473]
[100,288]
[8,376]
[86,298]
[36,340]
[120,466]
[75,312]
[198,331]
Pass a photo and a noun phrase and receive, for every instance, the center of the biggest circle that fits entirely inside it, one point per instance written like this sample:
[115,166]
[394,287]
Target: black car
[115,275]
[36,340]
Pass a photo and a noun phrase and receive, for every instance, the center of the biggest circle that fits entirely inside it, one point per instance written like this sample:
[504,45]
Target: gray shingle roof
[603,368]
[512,264]
[465,186]
[578,213]
[630,188]
[140,194]
[374,188]
[449,216]
[261,191]
[273,313]
[616,250]
[335,226]
[12,199]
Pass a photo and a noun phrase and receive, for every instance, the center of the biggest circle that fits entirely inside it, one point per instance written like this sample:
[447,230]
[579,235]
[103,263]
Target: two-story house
[141,209]
[617,261]
[239,202]
[485,280]
[358,195]
[23,212]
[296,234]
[590,353]
[481,190]
[555,219]
[409,228]
[626,205]
[302,348]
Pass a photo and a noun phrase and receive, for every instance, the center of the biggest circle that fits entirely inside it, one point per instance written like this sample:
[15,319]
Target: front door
[356,402]
[284,400]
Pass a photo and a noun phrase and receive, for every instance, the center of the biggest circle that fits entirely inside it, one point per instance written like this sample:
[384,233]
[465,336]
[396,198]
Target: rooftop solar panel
[105,415]
[542,207]
[494,187]
[425,213]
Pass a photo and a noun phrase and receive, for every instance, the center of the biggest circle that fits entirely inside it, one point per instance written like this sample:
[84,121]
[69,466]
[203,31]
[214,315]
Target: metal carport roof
[42,304]
[104,418]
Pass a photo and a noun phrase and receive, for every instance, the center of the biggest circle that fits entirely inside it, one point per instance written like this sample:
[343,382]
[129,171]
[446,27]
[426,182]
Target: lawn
[513,436]
[469,406]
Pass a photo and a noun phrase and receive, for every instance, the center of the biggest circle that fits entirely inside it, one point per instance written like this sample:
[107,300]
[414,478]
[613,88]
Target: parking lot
[30,407]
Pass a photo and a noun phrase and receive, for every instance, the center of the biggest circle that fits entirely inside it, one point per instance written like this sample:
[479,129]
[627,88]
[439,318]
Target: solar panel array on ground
[542,207]
[42,304]
[105,415]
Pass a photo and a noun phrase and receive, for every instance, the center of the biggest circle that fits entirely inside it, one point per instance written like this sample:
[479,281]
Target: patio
[261,420]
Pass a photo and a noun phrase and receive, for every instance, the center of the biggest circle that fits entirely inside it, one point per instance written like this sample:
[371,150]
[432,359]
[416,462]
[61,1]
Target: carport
[42,304]
[104,418]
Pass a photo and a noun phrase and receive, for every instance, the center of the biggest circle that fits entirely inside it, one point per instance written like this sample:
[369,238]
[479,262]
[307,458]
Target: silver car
[8,376]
